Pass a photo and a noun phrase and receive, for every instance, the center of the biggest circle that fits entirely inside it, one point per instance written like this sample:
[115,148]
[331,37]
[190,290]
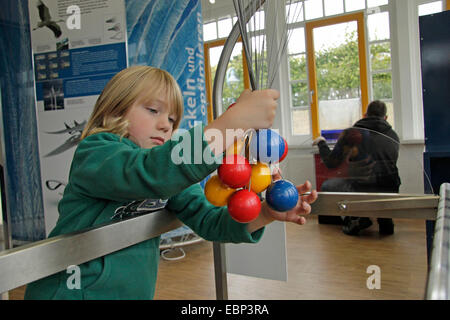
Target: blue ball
[267,146]
[282,195]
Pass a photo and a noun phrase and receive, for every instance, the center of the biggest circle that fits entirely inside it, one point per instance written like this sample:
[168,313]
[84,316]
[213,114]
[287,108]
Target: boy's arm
[208,221]
[105,167]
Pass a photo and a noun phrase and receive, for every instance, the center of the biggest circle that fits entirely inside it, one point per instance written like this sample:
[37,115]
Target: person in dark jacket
[369,151]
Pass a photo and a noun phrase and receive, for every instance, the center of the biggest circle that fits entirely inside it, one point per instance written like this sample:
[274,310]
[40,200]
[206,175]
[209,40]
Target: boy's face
[150,124]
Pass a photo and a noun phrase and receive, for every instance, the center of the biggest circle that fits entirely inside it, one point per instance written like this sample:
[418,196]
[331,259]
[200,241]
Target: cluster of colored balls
[238,182]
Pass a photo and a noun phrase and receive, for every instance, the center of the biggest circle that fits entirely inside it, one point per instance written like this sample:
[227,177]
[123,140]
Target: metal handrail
[28,263]
[376,205]
[438,283]
[25,264]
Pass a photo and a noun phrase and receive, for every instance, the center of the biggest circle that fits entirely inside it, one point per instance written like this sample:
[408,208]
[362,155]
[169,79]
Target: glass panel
[333,36]
[299,94]
[294,12]
[380,56]
[352,5]
[300,122]
[339,114]
[430,8]
[337,71]
[209,31]
[363,164]
[214,56]
[256,22]
[313,9]
[337,61]
[296,42]
[382,86]
[234,79]
[378,26]
[376,3]
[333,7]
[225,26]
[297,67]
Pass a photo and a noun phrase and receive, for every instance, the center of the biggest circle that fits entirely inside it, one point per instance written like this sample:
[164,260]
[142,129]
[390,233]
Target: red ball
[285,151]
[235,171]
[244,206]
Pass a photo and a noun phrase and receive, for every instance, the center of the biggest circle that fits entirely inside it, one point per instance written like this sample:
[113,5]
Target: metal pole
[438,282]
[3,185]
[220,271]
[376,205]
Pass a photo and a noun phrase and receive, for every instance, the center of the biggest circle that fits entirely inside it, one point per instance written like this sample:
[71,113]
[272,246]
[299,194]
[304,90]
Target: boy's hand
[295,215]
[302,208]
[255,109]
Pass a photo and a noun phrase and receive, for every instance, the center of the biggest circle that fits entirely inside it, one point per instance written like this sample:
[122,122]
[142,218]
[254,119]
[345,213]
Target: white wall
[407,83]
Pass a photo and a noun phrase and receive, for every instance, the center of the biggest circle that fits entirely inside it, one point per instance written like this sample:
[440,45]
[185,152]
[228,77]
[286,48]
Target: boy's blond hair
[135,84]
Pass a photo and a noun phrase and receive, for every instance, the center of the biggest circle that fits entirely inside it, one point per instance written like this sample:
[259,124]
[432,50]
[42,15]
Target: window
[380,60]
[353,5]
[376,3]
[210,31]
[313,9]
[224,27]
[333,7]
[298,14]
[379,51]
[298,77]
[430,8]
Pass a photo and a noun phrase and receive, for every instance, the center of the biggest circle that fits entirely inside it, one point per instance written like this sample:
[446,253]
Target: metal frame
[31,262]
[379,205]
[438,283]
[220,269]
[4,215]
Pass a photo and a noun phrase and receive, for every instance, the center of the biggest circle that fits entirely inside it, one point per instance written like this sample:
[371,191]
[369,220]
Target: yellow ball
[260,178]
[216,192]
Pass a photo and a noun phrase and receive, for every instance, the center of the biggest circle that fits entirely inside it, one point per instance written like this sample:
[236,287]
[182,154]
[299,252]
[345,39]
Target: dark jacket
[371,143]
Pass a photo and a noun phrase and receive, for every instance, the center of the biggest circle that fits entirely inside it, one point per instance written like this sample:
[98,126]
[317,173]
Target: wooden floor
[323,263]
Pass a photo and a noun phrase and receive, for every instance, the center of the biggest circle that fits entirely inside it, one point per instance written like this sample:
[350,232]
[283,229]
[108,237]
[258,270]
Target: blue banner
[169,35]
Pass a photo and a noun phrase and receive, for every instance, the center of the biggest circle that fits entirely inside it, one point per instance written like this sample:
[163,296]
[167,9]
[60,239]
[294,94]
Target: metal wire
[263,66]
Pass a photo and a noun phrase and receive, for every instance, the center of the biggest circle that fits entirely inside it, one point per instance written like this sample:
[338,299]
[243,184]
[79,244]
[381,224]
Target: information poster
[78,46]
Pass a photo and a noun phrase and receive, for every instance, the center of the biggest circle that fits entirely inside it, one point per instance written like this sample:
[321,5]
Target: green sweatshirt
[107,174]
